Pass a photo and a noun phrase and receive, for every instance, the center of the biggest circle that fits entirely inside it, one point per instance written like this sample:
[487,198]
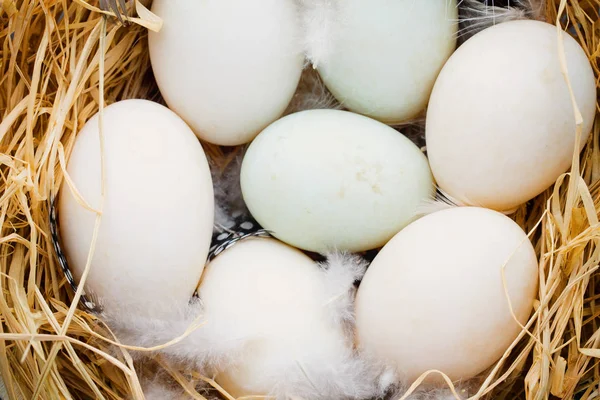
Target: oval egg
[270,297]
[437,295]
[324,179]
[227,67]
[500,123]
[157,218]
[385,55]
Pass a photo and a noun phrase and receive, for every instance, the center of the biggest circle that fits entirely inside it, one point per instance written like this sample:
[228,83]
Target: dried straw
[60,60]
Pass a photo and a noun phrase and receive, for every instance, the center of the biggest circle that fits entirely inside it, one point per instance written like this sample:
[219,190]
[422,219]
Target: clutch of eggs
[227,67]
[324,179]
[500,125]
[157,218]
[439,294]
[269,296]
[385,55]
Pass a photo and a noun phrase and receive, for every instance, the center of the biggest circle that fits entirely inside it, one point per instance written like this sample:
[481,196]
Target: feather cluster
[345,374]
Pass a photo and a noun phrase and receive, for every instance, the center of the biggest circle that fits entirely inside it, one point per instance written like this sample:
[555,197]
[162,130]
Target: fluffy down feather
[229,202]
[346,375]
[440,201]
[160,391]
[319,23]
[477,15]
[158,385]
[200,347]
[342,270]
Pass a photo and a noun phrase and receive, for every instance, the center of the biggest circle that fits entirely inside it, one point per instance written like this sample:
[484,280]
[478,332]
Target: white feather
[340,374]
[160,386]
[320,28]
[341,270]
[475,16]
[441,201]
[202,347]
[158,391]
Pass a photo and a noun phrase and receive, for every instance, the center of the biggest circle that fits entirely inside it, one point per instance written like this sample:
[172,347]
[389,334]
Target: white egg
[157,218]
[500,122]
[435,298]
[270,297]
[321,179]
[385,55]
[227,67]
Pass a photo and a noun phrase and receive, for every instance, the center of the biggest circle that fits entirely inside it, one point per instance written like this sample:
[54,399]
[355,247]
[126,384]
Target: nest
[61,60]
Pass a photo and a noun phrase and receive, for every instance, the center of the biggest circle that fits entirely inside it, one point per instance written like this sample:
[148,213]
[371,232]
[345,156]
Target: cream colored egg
[321,179]
[500,123]
[227,67]
[385,55]
[157,218]
[434,298]
[268,296]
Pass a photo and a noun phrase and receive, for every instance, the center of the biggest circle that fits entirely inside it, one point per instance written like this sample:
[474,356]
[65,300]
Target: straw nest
[61,59]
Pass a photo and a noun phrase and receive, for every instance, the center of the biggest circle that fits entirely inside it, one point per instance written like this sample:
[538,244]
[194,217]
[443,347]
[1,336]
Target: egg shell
[324,179]
[500,123]
[227,67]
[385,55]
[157,219]
[434,297]
[269,295]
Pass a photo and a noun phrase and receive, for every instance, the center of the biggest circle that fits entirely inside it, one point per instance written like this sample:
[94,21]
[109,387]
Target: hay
[53,78]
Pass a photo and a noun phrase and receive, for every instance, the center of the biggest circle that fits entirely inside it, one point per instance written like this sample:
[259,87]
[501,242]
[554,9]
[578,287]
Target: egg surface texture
[434,298]
[320,179]
[385,55]
[500,123]
[269,296]
[157,218]
[227,67]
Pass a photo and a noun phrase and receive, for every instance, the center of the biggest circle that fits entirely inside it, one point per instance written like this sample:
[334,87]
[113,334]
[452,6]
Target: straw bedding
[61,59]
